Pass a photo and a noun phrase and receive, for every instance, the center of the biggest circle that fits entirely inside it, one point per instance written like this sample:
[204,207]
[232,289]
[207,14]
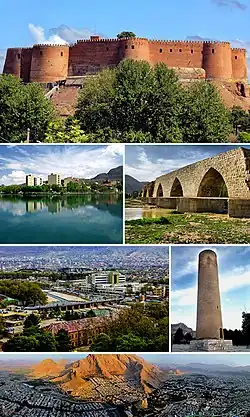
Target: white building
[54,179]
[32,181]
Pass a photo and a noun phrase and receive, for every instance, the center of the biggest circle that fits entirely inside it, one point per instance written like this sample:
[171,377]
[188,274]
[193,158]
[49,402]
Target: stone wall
[239,208]
[231,168]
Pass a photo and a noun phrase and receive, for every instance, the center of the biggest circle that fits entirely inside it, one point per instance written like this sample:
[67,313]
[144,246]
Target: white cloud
[186,299]
[145,169]
[38,34]
[60,35]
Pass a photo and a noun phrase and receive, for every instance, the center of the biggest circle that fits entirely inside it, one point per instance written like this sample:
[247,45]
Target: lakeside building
[33,181]
[54,179]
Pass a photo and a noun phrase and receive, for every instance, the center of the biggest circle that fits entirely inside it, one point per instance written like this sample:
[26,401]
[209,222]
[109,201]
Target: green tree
[31,320]
[130,343]
[60,132]
[63,341]
[179,336]
[23,107]
[205,118]
[126,35]
[246,327]
[240,120]
[21,344]
[102,343]
[244,137]
[90,314]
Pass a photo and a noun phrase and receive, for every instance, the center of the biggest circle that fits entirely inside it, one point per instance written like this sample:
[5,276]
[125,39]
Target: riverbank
[188,228]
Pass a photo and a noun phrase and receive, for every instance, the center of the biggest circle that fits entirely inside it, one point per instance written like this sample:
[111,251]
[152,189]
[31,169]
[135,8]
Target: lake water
[67,219]
[139,213]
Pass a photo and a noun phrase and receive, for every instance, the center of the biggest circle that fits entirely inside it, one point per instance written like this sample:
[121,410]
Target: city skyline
[86,256]
[67,160]
[232,262]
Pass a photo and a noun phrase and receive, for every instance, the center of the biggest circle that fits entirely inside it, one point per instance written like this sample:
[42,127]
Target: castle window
[41,52]
[133,47]
[61,53]
[161,51]
[107,49]
[236,57]
[192,51]
[212,51]
[19,56]
[180,50]
[126,46]
[171,50]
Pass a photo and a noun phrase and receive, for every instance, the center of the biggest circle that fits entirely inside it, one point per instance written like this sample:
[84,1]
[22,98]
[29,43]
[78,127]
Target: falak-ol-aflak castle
[50,63]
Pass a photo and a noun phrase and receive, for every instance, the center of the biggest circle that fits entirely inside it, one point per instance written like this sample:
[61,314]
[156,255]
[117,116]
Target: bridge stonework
[224,175]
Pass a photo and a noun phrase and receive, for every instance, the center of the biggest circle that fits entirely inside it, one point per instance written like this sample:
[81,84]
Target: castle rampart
[49,63]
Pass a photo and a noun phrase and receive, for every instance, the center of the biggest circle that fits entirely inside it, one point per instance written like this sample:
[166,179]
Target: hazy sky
[28,22]
[158,359]
[234,277]
[147,162]
[67,160]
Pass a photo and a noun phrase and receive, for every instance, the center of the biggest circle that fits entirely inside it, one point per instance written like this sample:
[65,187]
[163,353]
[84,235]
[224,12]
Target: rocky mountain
[115,174]
[47,368]
[131,184]
[185,329]
[103,377]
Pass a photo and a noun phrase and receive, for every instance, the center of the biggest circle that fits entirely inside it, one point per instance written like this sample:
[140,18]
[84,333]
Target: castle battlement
[49,62]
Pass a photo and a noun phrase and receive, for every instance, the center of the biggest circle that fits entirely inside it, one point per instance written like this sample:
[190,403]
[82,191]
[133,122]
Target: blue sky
[234,277]
[146,163]
[179,19]
[67,160]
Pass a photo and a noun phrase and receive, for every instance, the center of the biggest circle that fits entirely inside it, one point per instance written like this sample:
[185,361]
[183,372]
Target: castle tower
[209,317]
[134,48]
[49,63]
[12,63]
[217,60]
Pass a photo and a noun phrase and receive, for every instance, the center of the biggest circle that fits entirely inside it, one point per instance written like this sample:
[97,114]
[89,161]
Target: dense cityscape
[202,395]
[81,294]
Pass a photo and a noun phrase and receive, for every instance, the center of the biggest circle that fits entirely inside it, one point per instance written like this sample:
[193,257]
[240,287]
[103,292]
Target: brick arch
[159,192]
[212,185]
[177,189]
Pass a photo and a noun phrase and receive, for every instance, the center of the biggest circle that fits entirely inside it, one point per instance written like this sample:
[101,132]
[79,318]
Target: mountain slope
[97,377]
[132,184]
[115,174]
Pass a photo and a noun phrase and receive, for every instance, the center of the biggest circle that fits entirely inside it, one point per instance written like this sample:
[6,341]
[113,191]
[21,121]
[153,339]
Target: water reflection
[61,219]
[139,213]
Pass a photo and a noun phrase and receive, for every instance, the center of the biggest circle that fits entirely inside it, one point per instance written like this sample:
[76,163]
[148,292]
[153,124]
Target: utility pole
[28,135]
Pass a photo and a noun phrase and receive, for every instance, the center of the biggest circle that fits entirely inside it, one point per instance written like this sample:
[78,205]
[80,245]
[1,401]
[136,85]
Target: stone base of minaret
[211,345]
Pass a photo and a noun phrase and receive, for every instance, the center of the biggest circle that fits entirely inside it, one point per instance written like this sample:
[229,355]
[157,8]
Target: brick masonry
[48,63]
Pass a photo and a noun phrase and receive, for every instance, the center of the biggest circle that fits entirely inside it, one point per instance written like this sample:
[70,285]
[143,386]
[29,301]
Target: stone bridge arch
[151,188]
[212,184]
[145,192]
[159,192]
[177,189]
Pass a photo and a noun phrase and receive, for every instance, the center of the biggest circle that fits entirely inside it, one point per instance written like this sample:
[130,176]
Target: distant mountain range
[115,174]
[132,185]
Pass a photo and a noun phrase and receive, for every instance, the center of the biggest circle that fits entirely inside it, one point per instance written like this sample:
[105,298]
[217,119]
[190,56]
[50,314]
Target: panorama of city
[125,208]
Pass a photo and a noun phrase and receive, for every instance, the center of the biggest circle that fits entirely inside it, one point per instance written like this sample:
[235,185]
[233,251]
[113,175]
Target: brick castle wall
[48,63]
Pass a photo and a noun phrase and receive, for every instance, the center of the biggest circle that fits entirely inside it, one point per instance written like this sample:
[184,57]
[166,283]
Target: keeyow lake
[61,219]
